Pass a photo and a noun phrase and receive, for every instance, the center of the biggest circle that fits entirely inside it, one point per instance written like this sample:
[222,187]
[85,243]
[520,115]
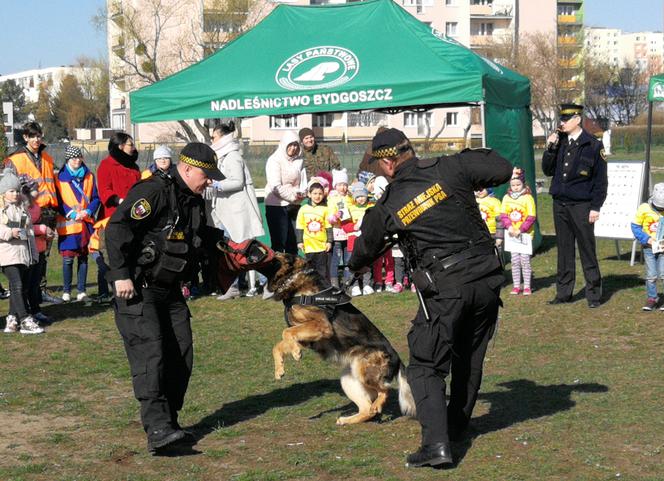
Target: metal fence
[255,155]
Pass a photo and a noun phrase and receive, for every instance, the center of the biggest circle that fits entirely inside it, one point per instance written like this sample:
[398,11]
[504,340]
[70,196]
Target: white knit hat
[380,184]
[339,177]
[162,152]
[657,198]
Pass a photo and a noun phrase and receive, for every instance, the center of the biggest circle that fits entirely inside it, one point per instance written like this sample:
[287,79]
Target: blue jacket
[74,242]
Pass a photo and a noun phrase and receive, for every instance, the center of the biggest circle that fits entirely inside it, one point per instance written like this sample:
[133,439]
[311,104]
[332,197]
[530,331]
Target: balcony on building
[118,47]
[569,40]
[483,9]
[116,13]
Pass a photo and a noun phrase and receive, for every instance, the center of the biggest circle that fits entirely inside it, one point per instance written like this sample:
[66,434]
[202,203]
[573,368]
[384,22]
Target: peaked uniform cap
[202,156]
[567,111]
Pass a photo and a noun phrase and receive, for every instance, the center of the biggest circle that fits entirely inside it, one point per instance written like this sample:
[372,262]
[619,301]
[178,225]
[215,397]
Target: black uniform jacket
[578,170]
[144,216]
[432,202]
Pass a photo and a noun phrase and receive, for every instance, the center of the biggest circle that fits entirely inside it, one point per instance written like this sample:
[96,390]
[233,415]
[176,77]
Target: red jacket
[114,181]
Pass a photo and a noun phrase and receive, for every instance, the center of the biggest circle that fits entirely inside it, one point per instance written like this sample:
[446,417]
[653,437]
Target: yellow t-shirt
[313,221]
[648,219]
[519,209]
[490,209]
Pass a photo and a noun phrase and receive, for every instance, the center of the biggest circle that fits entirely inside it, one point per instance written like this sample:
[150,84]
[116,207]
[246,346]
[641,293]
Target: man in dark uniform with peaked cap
[577,162]
[151,240]
[430,206]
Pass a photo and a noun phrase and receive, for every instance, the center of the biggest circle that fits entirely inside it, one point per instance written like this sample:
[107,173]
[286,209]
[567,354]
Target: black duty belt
[330,297]
[449,261]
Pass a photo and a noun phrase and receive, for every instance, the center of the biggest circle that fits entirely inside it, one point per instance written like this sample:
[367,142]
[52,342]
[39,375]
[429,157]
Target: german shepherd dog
[338,332]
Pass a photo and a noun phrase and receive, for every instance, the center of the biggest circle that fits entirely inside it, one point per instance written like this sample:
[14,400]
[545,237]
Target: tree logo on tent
[658,91]
[318,68]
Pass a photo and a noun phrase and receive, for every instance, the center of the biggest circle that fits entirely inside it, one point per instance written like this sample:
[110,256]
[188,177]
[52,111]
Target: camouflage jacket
[321,157]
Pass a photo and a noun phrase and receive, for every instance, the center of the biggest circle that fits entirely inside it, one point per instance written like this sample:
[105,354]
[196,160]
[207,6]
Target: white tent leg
[483,124]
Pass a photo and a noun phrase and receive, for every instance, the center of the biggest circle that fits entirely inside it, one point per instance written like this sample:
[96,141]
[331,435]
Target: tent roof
[656,89]
[359,56]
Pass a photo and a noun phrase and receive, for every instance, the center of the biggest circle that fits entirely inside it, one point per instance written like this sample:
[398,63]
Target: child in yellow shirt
[518,217]
[313,230]
[646,229]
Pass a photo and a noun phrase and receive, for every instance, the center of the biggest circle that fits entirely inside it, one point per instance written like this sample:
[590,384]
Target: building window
[366,119]
[323,120]
[419,120]
[118,122]
[452,118]
[481,2]
[451,29]
[450,3]
[284,122]
[566,10]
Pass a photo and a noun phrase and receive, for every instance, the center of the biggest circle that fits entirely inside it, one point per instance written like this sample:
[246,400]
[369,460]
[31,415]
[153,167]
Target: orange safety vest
[70,226]
[45,179]
[95,241]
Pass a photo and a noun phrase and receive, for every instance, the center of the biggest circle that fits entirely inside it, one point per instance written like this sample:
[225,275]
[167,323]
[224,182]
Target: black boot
[430,455]
[161,438]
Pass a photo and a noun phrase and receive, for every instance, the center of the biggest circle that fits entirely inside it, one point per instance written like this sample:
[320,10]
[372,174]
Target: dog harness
[328,298]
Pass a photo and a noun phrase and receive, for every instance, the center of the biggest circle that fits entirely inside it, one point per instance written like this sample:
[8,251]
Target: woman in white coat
[234,205]
[285,190]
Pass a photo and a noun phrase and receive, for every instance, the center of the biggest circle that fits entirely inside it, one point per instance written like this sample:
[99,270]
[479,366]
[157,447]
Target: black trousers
[281,224]
[456,339]
[17,276]
[572,226]
[156,330]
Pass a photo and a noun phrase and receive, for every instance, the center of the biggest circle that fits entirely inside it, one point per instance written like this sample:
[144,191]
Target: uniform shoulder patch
[602,154]
[141,209]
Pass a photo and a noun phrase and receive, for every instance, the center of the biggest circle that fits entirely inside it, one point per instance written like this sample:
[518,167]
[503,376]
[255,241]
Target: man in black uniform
[430,206]
[577,163]
[151,239]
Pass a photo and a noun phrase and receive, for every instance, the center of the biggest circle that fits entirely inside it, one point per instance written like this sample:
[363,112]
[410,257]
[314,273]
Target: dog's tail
[406,400]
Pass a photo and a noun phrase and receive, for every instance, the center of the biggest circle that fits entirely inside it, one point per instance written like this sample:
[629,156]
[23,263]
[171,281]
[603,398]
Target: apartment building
[645,50]
[30,80]
[473,23]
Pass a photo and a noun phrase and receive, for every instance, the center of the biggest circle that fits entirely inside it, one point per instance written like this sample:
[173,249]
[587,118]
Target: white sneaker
[12,324]
[231,293]
[66,296]
[81,296]
[368,290]
[356,291]
[29,326]
[251,292]
[389,288]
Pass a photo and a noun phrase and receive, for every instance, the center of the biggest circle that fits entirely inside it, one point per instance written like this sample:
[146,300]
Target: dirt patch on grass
[21,433]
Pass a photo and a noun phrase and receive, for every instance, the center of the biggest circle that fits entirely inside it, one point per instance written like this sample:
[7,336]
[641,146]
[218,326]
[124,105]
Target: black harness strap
[328,298]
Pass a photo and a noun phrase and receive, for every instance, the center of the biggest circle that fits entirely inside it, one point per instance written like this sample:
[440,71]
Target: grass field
[569,394]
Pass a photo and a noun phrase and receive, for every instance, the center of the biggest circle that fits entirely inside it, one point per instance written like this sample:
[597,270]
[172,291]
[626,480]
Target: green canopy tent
[369,55]
[655,94]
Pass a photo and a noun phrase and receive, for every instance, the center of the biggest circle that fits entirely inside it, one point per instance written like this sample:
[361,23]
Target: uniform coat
[431,207]
[578,186]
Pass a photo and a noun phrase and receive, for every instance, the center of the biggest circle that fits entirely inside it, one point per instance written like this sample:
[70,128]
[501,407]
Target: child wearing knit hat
[17,253]
[357,210]
[648,229]
[338,202]
[518,217]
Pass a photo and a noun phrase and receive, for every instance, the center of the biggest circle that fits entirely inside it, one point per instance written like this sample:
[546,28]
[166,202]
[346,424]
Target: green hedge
[632,138]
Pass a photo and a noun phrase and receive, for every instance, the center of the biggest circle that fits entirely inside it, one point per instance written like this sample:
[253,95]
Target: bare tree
[153,43]
[548,68]
[614,94]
